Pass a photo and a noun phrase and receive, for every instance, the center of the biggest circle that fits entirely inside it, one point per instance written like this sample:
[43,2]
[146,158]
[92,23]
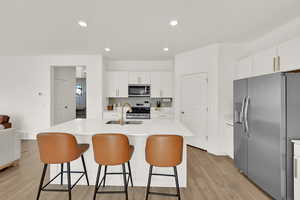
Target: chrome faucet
[122,112]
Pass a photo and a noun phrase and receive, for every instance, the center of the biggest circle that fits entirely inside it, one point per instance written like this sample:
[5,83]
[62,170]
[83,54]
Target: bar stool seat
[60,148]
[164,151]
[109,150]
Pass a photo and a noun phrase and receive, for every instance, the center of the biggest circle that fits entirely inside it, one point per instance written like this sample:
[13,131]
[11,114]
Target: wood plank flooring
[209,178]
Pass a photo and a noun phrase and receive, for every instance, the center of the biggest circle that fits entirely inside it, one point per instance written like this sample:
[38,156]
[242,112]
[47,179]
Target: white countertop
[88,127]
[296,141]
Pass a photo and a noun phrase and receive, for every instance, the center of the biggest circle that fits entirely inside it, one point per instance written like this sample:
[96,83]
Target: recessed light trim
[107,49]
[82,24]
[166,49]
[173,22]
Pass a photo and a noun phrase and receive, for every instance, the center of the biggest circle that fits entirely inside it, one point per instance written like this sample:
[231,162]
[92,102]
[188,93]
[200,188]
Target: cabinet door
[264,62]
[289,53]
[244,68]
[139,78]
[161,84]
[111,82]
[122,84]
[296,178]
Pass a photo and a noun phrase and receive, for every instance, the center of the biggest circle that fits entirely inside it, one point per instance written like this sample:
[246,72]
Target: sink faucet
[122,112]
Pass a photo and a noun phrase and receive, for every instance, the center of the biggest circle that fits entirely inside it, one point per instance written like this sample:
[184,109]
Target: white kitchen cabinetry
[139,78]
[265,62]
[111,115]
[296,171]
[243,68]
[162,113]
[289,53]
[228,133]
[161,84]
[117,84]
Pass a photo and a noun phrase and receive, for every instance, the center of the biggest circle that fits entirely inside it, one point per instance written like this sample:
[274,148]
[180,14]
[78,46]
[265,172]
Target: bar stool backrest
[57,148]
[164,150]
[111,149]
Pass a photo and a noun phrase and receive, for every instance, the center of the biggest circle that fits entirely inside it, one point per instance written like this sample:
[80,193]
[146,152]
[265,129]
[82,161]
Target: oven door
[139,90]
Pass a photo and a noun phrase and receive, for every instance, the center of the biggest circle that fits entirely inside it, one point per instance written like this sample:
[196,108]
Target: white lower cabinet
[111,115]
[296,172]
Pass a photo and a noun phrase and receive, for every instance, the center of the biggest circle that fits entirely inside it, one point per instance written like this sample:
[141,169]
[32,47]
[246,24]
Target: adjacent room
[150,100]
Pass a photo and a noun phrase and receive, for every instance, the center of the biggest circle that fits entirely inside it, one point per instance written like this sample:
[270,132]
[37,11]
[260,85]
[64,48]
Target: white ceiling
[134,29]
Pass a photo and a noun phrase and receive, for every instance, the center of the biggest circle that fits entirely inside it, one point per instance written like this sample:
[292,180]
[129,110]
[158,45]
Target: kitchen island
[84,129]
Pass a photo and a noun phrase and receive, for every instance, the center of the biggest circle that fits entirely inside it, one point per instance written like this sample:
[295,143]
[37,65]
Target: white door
[161,84]
[194,108]
[64,94]
[289,53]
[264,62]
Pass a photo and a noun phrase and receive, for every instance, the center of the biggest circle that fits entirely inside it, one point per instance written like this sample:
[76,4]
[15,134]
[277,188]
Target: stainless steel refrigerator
[266,118]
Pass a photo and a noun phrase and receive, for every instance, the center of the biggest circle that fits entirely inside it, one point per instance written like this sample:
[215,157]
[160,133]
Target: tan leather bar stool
[60,148]
[164,151]
[112,149]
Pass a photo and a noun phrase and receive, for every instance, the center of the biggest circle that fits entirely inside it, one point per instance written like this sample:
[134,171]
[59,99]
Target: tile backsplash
[165,102]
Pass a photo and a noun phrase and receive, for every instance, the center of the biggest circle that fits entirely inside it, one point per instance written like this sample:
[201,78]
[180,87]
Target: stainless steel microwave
[139,91]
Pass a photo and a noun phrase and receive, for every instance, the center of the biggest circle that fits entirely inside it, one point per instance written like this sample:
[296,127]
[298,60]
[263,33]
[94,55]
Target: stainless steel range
[139,112]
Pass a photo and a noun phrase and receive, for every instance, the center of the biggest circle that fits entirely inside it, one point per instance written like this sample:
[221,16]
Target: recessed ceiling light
[107,49]
[173,23]
[166,49]
[82,24]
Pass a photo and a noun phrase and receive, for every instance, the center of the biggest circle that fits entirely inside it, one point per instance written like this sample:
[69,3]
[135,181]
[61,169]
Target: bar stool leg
[62,173]
[69,180]
[125,184]
[97,181]
[176,181]
[85,172]
[104,179]
[130,175]
[149,181]
[42,181]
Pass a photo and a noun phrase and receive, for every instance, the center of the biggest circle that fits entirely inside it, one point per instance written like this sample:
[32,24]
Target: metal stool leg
[62,173]
[104,178]
[42,181]
[69,180]
[97,181]
[129,171]
[85,172]
[149,181]
[125,184]
[177,182]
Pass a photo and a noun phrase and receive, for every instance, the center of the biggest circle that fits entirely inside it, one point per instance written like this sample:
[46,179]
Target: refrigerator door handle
[246,113]
[241,120]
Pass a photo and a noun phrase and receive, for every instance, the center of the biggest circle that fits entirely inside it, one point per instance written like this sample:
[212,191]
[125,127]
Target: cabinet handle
[160,93]
[116,92]
[278,63]
[295,168]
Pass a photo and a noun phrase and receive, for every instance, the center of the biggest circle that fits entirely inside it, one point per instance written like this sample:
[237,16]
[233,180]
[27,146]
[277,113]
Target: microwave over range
[139,91]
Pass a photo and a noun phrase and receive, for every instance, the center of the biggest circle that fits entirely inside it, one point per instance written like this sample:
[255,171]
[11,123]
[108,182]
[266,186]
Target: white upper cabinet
[116,84]
[161,84]
[139,77]
[265,62]
[243,68]
[289,53]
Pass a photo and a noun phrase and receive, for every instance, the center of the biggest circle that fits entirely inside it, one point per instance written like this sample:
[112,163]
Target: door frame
[204,75]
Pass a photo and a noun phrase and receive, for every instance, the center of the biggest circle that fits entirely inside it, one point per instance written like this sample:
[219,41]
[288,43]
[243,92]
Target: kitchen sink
[126,122]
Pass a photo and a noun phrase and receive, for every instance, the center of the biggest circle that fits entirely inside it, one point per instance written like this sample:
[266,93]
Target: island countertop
[89,127]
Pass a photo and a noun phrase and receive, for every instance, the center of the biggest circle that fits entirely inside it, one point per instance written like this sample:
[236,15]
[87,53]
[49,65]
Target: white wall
[164,65]
[23,78]
[198,61]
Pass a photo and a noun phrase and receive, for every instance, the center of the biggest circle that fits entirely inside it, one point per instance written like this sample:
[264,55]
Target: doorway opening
[68,93]
[81,92]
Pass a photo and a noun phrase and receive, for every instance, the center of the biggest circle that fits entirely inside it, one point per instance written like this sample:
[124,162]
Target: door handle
[241,120]
[246,114]
[182,112]
[66,107]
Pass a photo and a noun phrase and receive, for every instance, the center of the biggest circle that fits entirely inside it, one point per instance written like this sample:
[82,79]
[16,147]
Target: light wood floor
[209,178]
